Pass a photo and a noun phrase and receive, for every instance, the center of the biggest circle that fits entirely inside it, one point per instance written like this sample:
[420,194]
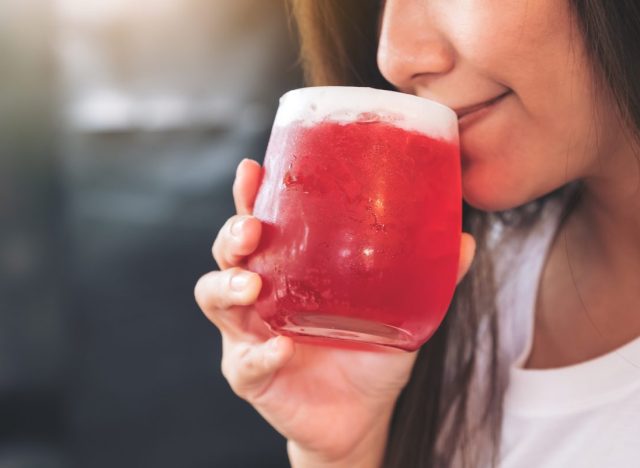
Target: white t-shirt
[584,415]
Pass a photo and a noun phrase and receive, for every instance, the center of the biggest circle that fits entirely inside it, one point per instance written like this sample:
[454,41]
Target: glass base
[349,329]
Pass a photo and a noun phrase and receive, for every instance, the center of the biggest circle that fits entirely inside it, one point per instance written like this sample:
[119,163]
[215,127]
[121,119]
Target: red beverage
[361,231]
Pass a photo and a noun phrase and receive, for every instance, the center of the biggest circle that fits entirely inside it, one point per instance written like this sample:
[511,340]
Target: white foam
[310,106]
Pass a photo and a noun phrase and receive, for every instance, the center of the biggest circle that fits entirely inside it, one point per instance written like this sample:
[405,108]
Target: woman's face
[546,127]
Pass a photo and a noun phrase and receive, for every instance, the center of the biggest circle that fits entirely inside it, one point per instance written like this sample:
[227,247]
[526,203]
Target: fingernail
[240,281]
[236,227]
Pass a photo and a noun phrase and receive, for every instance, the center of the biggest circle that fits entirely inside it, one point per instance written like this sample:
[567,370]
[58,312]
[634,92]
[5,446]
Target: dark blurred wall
[104,356]
[163,99]
[34,335]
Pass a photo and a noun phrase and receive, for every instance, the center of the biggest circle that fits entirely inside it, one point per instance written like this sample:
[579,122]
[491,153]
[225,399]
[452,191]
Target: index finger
[245,186]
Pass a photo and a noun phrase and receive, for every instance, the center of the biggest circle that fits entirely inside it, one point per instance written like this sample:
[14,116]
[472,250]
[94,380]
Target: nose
[413,48]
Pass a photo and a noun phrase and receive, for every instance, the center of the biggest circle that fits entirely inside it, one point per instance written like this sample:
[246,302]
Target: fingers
[238,238]
[249,362]
[249,368]
[467,252]
[240,235]
[245,186]
[219,292]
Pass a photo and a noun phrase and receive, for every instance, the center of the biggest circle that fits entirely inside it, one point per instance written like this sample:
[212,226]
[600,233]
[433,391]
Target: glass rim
[312,105]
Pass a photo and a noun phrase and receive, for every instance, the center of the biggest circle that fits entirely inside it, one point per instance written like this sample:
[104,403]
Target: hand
[334,405]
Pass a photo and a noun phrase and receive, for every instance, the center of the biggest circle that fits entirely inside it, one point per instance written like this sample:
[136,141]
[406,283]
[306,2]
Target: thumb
[467,252]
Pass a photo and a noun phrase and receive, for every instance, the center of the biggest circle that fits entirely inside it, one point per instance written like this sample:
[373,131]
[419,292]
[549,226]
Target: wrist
[367,453]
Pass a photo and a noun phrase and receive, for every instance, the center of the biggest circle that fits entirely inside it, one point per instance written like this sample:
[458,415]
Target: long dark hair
[431,422]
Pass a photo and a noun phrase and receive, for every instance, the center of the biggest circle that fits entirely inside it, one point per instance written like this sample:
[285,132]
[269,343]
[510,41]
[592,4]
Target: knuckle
[232,378]
[247,363]
[244,286]
[235,367]
[234,271]
[220,243]
[209,292]
[218,291]
[215,249]
[235,187]
[200,291]
[237,238]
[237,226]
[251,233]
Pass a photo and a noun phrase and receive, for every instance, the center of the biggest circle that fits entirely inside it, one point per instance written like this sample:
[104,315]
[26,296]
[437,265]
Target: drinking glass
[361,205]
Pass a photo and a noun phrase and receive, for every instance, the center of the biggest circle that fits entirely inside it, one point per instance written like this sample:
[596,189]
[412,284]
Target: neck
[589,293]
[602,245]
[609,211]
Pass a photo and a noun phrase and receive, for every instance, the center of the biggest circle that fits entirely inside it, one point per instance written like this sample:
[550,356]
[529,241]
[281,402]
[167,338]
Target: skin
[553,127]
[334,405]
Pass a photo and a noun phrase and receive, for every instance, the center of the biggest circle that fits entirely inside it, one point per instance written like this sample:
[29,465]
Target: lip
[468,114]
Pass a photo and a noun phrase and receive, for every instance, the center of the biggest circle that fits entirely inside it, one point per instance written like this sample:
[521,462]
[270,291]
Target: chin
[491,191]
[484,203]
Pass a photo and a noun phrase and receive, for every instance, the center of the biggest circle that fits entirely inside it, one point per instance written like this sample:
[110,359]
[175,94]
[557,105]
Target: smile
[469,114]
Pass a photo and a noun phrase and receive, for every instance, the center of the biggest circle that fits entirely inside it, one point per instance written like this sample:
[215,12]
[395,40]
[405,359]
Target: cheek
[545,135]
[496,167]
[515,158]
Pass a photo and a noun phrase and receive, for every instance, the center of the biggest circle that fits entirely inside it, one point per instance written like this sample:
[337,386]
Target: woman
[538,360]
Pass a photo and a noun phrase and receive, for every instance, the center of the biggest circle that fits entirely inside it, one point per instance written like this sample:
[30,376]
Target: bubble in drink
[361,212]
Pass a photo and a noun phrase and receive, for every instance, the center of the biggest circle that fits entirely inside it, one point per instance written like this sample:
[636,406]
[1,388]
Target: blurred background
[121,124]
